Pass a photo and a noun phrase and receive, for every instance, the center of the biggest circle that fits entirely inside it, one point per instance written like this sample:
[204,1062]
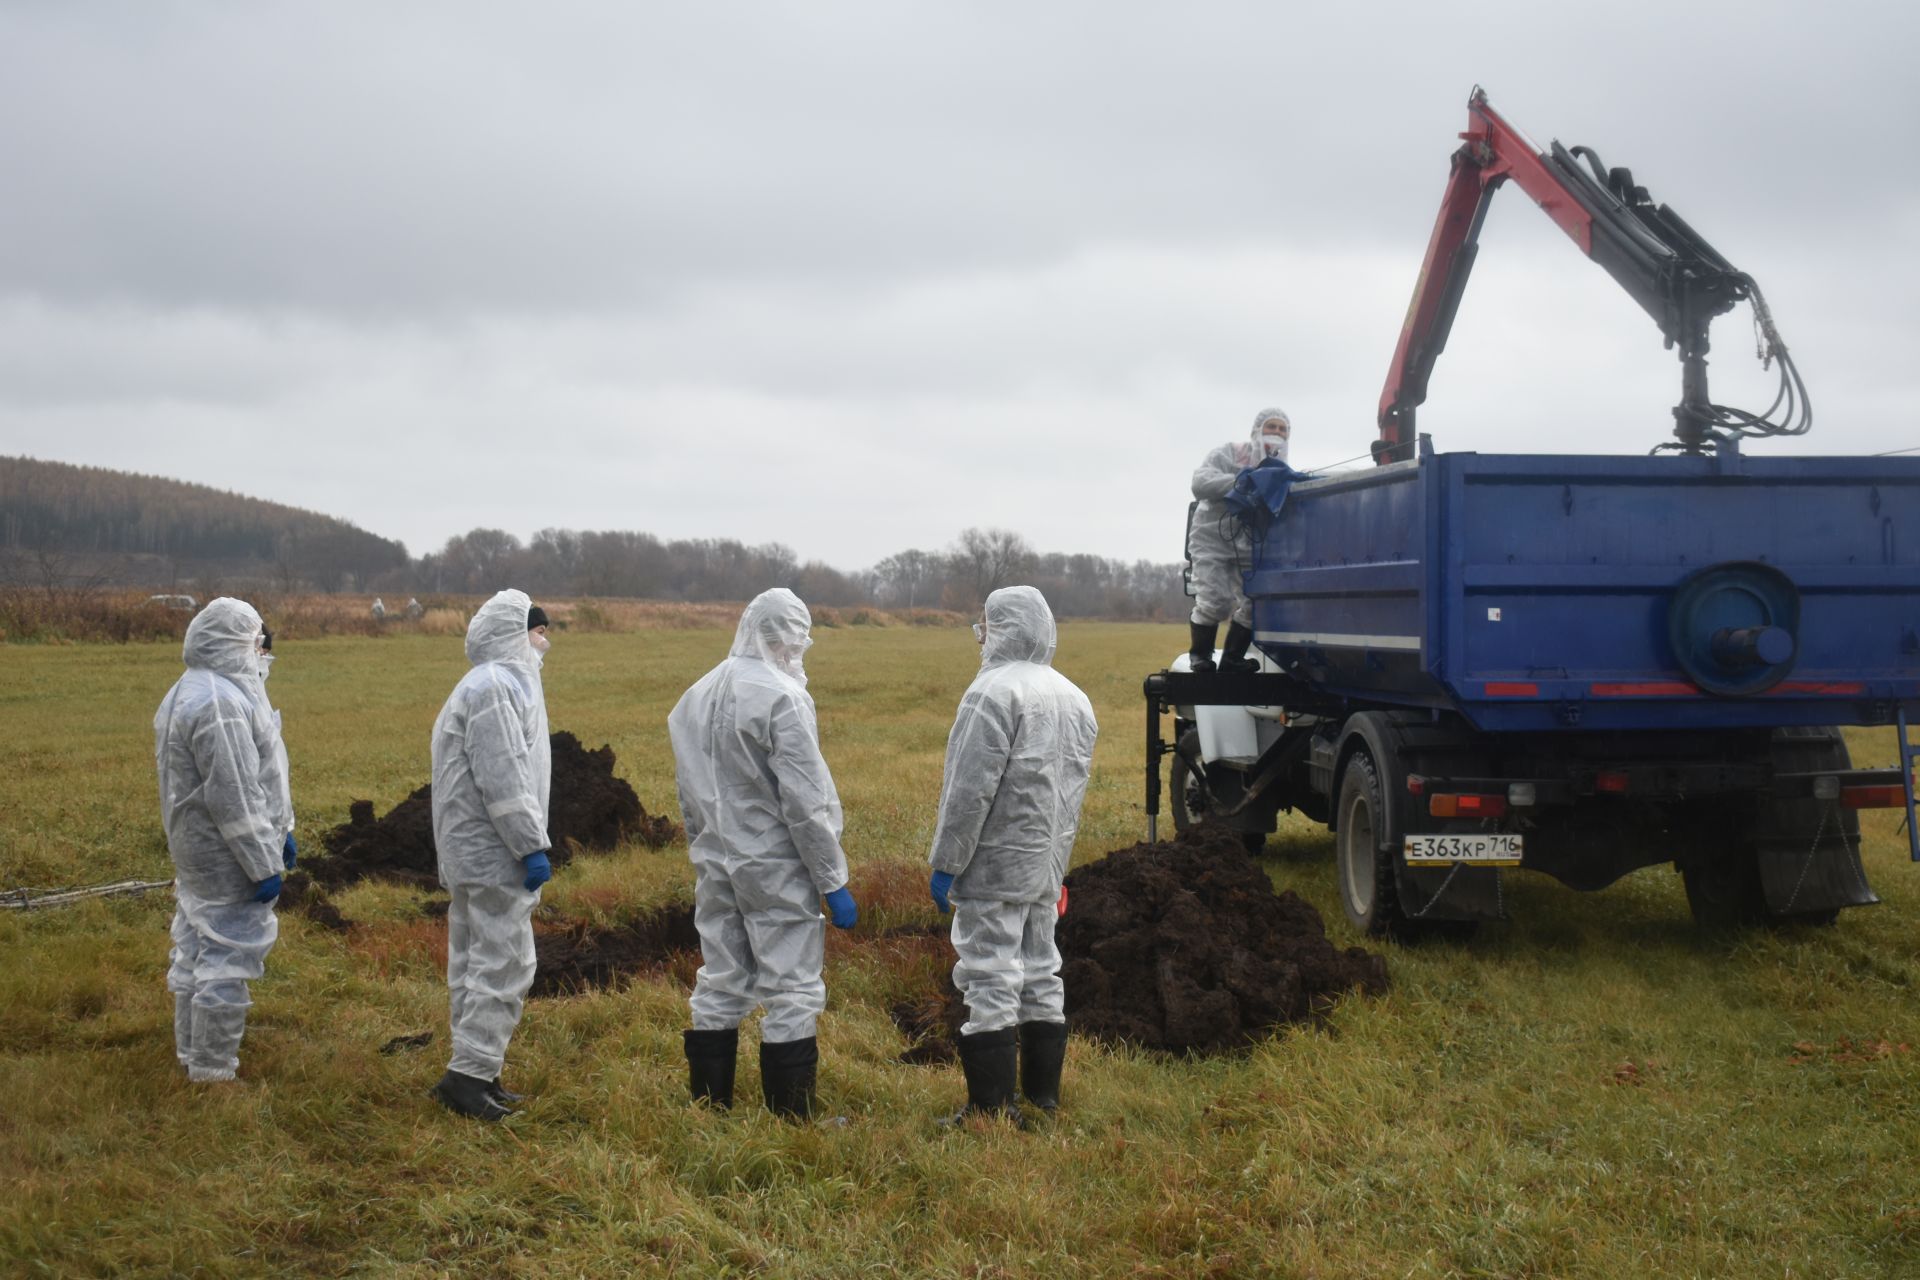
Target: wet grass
[1591,1089]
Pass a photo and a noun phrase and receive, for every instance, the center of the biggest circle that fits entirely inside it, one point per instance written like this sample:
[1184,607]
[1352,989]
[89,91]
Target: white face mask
[265,662]
[539,642]
[1274,446]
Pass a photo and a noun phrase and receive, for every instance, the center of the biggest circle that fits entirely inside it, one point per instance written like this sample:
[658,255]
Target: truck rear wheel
[1191,803]
[1724,887]
[1366,874]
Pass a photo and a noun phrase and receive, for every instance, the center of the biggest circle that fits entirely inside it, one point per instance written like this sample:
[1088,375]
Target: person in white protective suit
[1017,763]
[226,806]
[763,831]
[492,771]
[1220,549]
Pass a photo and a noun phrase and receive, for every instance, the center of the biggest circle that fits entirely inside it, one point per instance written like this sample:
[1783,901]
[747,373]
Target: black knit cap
[536,617]
[266,638]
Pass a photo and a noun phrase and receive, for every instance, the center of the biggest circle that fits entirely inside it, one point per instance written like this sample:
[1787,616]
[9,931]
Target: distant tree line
[618,563]
[64,523]
[94,512]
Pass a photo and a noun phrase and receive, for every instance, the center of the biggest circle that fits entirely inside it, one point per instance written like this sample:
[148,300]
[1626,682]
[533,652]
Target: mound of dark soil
[579,956]
[1186,947]
[589,810]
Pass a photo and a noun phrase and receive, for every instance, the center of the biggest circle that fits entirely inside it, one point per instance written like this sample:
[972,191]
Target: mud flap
[1449,893]
[1797,878]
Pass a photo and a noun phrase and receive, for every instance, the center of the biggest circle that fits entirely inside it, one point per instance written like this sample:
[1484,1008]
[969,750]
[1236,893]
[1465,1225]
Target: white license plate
[1493,849]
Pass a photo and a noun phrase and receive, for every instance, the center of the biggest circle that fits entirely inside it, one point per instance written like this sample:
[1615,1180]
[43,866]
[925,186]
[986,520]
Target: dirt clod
[1186,947]
[931,1025]
[579,956]
[591,810]
[407,1044]
[299,893]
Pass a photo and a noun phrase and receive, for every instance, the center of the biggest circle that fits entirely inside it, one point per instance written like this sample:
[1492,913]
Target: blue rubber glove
[846,913]
[267,890]
[289,852]
[539,870]
[938,886]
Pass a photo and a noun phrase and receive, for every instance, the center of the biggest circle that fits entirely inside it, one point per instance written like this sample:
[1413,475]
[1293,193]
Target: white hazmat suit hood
[1265,446]
[1019,628]
[775,628]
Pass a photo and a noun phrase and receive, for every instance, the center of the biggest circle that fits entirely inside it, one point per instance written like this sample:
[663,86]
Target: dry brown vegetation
[78,614]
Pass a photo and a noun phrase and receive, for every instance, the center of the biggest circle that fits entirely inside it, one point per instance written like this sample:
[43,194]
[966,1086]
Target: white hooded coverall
[1218,545]
[492,771]
[763,826]
[1017,763]
[224,801]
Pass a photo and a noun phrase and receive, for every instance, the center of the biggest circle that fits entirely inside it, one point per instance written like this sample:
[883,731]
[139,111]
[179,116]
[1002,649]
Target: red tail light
[1612,780]
[1467,806]
[1890,797]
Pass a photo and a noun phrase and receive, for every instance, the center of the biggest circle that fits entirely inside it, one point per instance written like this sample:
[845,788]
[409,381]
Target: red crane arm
[1675,276]
[1491,151]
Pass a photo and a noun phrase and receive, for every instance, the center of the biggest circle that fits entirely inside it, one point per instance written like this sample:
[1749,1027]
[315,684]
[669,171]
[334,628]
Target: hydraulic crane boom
[1675,276]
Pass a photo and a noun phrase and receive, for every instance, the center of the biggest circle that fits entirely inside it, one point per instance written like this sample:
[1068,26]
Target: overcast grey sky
[854,276]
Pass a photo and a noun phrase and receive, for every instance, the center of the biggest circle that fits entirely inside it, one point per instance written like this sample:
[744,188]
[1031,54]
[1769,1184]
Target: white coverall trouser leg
[490,963]
[1218,587]
[761,943]
[217,949]
[1009,968]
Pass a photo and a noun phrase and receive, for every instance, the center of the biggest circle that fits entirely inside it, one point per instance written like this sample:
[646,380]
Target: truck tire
[1364,872]
[1723,887]
[1723,891]
[1182,787]
[1191,805]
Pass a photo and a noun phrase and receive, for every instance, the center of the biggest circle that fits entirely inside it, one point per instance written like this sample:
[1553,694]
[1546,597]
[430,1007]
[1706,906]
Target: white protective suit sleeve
[809,804]
[1214,477]
[1017,762]
[977,750]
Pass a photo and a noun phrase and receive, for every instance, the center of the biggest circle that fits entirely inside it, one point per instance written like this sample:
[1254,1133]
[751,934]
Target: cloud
[855,277]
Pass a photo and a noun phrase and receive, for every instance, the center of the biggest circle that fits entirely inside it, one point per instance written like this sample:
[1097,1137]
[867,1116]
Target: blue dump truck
[1583,665]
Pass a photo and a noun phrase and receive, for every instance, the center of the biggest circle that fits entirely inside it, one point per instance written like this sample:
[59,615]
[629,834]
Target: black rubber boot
[710,1061]
[1200,653]
[503,1095]
[787,1075]
[991,1061]
[1233,654]
[467,1096]
[1043,1051]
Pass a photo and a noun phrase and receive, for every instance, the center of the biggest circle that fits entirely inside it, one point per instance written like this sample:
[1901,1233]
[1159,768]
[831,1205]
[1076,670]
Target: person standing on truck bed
[1219,547]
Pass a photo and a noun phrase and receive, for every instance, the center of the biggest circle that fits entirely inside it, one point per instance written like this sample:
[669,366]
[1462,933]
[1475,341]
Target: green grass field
[1592,1089]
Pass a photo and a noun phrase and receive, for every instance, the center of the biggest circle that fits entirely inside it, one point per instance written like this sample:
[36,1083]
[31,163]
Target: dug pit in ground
[588,809]
[577,956]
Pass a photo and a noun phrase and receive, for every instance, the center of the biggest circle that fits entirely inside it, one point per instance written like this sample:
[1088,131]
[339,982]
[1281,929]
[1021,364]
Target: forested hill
[95,512]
